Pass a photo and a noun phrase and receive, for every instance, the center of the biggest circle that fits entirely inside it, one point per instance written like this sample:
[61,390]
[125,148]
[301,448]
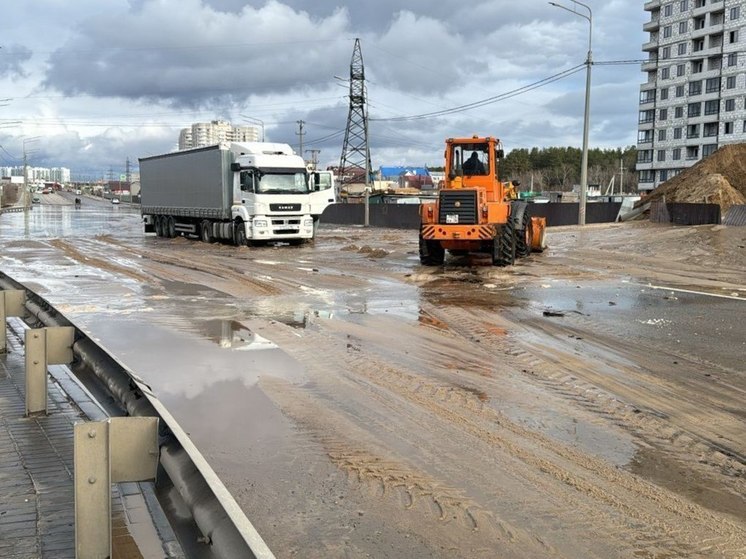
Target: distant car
[115,200]
[36,200]
[78,192]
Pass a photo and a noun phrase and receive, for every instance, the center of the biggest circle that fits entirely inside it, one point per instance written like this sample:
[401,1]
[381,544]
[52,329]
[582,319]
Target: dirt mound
[718,179]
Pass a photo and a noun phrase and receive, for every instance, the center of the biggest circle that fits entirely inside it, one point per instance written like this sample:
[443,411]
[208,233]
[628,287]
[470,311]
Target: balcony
[650,46]
[650,65]
[652,25]
[652,5]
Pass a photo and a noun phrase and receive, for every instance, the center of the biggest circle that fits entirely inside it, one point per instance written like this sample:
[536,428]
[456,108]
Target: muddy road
[588,402]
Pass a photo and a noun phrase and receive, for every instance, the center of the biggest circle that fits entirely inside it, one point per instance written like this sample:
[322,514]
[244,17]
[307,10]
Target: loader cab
[473,158]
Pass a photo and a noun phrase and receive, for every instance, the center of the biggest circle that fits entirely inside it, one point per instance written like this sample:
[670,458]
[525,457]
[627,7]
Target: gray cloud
[13,59]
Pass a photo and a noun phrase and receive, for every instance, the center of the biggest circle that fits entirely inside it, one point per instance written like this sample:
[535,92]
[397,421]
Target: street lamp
[587,115]
[253,120]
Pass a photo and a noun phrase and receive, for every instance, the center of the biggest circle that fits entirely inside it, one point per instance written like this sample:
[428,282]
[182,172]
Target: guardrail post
[44,346]
[11,304]
[116,450]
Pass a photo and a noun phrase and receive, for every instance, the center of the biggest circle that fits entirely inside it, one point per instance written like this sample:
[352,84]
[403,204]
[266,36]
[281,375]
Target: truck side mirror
[500,154]
[235,167]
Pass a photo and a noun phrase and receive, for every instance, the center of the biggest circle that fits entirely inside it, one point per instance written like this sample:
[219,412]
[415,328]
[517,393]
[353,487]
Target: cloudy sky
[90,83]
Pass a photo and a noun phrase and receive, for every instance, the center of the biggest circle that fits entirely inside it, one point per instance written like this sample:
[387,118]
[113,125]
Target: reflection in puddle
[231,334]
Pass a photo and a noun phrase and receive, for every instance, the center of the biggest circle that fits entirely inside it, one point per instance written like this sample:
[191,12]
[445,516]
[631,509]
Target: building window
[663,114]
[699,3]
[692,131]
[712,107]
[699,23]
[684,5]
[710,129]
[661,155]
[682,48]
[668,10]
[647,176]
[678,112]
[663,174]
[647,96]
[647,116]
[730,105]
[728,128]
[666,31]
[744,126]
[679,91]
[664,93]
[692,152]
[680,70]
[677,133]
[698,45]
[662,135]
[676,155]
[735,12]
[645,156]
[666,53]
[733,36]
[732,59]
[694,110]
[712,85]
[730,82]
[665,73]
[697,66]
[709,149]
[695,88]
[644,136]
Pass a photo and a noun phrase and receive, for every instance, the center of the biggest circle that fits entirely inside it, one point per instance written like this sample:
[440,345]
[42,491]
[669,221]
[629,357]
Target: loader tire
[432,253]
[503,246]
[524,236]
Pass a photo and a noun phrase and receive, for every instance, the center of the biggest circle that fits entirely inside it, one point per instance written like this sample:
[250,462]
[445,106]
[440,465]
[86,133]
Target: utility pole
[621,175]
[314,157]
[300,134]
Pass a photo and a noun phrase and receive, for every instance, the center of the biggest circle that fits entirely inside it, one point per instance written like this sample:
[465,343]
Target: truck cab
[271,193]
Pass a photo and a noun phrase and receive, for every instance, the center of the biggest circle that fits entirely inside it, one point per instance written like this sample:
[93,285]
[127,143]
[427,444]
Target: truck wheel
[503,246]
[170,228]
[432,253]
[239,234]
[158,226]
[205,232]
[524,237]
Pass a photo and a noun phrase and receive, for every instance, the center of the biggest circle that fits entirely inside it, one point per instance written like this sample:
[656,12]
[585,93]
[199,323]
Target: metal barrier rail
[14,209]
[214,510]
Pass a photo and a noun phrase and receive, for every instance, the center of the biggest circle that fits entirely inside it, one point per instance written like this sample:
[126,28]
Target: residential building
[202,134]
[694,98]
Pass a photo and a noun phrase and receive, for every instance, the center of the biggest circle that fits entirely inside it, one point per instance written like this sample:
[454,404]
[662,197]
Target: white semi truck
[250,192]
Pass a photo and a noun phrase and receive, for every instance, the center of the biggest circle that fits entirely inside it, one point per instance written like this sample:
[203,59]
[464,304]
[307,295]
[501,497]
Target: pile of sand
[718,179]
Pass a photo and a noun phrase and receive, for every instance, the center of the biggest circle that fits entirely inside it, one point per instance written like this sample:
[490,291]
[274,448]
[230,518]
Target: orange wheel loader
[475,211]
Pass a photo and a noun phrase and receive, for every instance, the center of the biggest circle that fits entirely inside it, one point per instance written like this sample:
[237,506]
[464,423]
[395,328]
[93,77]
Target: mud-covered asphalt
[588,402]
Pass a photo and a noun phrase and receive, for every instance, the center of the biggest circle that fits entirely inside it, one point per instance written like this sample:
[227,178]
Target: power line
[489,100]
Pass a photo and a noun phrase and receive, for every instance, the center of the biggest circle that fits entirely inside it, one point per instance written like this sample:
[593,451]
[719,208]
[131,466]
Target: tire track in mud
[385,476]
[75,253]
[199,263]
[641,517]
[585,386]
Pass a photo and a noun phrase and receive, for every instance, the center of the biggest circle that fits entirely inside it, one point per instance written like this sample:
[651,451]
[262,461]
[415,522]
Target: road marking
[733,297]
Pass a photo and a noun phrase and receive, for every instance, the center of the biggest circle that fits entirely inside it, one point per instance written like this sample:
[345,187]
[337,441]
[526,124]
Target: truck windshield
[472,158]
[282,183]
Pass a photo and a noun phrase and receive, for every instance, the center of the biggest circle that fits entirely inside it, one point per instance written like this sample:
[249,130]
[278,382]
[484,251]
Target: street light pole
[587,112]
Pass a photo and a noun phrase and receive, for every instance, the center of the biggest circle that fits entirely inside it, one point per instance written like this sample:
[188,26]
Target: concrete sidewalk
[37,508]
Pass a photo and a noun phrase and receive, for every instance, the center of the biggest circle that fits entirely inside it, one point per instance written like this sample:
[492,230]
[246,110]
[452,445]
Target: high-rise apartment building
[694,98]
[209,133]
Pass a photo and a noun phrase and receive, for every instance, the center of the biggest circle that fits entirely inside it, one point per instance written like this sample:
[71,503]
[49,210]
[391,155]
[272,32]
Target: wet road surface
[584,403]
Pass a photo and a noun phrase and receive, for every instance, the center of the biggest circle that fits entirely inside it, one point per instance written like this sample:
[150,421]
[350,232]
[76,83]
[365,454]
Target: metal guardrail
[15,209]
[215,512]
